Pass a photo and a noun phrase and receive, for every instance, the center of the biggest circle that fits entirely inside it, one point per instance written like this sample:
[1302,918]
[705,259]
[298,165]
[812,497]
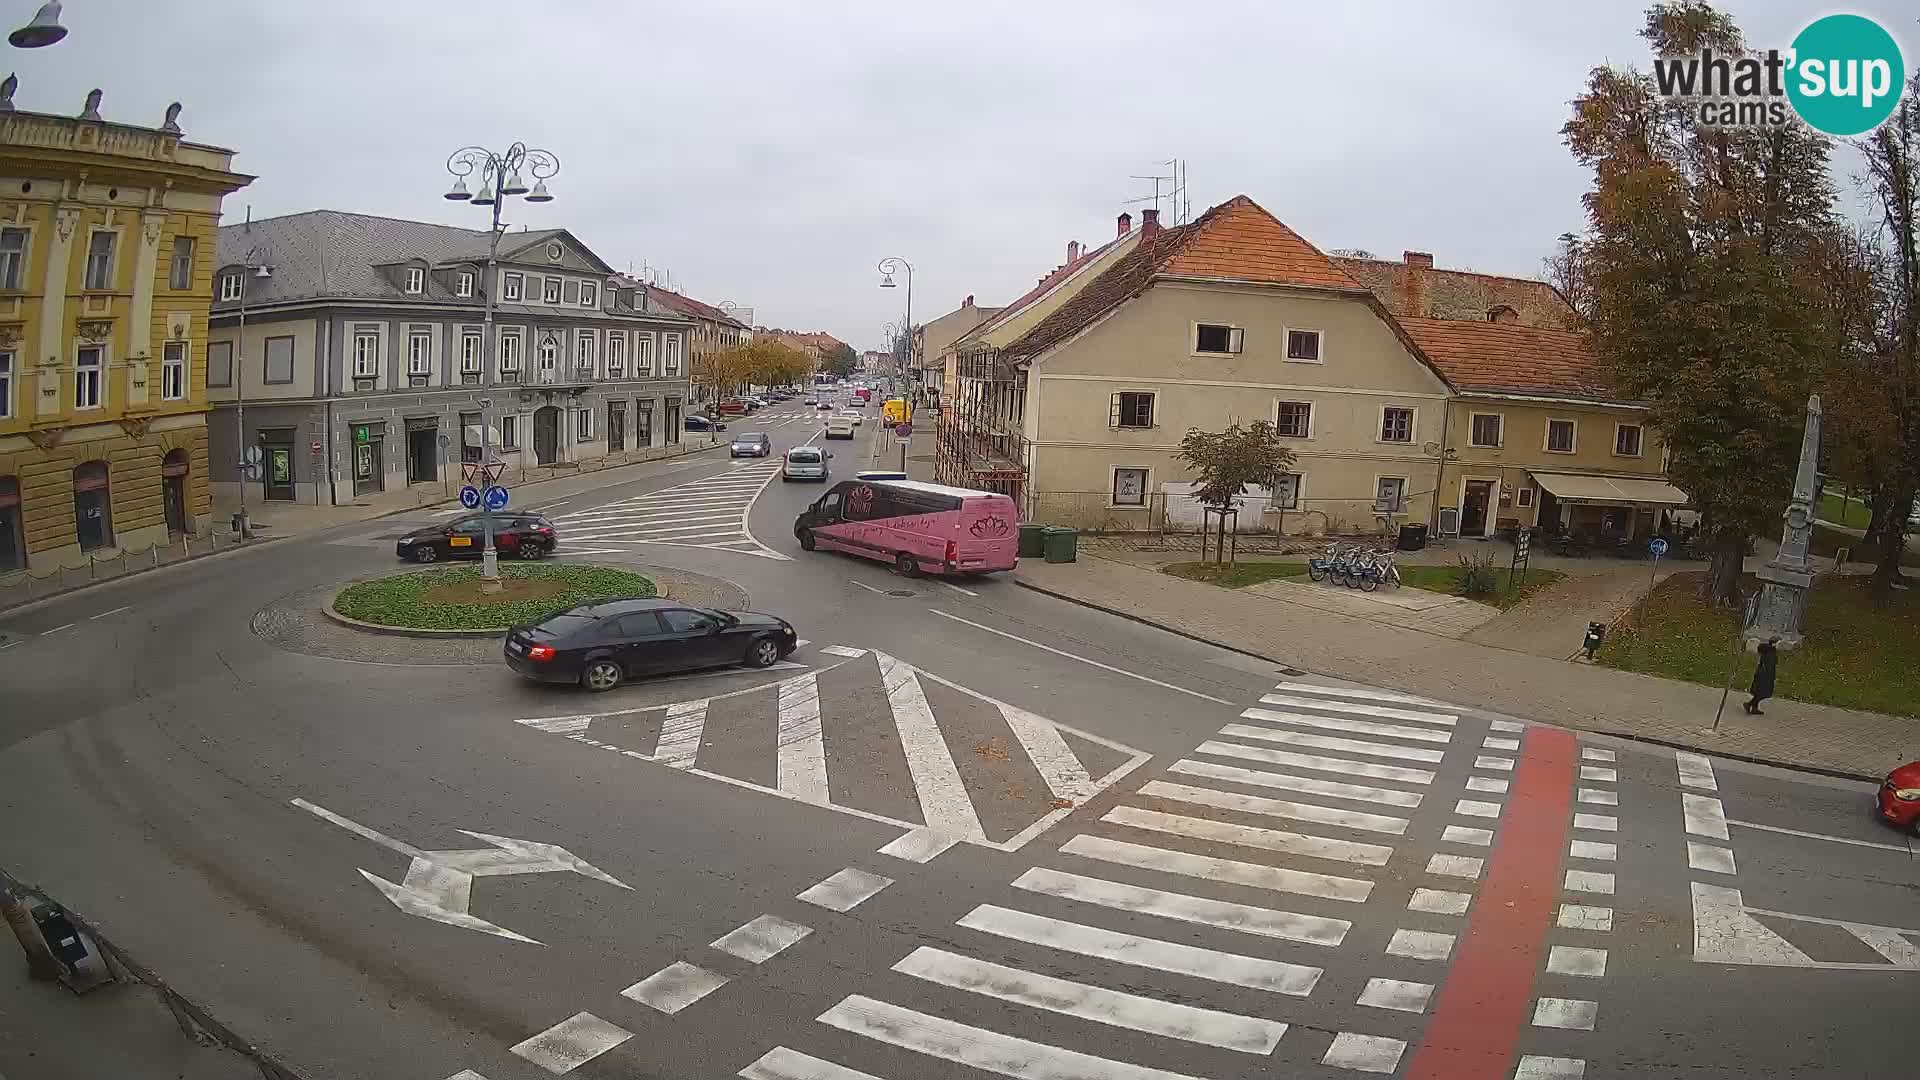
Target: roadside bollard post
[40,962]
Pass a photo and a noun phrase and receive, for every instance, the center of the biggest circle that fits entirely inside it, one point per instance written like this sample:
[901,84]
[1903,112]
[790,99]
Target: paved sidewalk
[1568,694]
[121,1031]
[1410,609]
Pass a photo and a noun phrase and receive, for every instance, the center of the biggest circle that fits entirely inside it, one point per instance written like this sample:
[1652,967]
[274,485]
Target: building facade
[106,264]
[714,330]
[935,338]
[363,363]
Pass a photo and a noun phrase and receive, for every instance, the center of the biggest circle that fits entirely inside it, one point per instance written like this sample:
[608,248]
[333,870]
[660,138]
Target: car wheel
[424,553]
[805,536]
[906,565]
[601,675]
[530,551]
[763,652]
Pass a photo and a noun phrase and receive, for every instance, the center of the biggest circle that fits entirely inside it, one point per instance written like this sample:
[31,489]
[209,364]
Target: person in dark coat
[1762,688]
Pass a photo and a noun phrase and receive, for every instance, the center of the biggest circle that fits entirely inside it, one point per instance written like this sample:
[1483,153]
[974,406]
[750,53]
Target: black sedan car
[750,444]
[601,645]
[523,536]
[696,422]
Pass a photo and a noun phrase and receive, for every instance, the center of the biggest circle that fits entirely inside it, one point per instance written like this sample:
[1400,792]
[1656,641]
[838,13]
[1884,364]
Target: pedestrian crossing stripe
[709,513]
[939,792]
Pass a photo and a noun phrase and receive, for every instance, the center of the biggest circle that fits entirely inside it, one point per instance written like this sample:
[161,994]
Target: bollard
[155,552]
[92,572]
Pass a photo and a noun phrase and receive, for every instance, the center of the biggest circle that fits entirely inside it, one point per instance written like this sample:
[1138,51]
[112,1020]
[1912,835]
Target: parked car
[915,526]
[696,422]
[750,444]
[522,536]
[1899,797]
[805,463]
[732,408]
[601,645]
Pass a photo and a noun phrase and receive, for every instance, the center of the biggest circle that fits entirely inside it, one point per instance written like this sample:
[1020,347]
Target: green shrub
[1477,575]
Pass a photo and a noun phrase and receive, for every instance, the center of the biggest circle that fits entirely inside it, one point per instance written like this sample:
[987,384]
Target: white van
[839,427]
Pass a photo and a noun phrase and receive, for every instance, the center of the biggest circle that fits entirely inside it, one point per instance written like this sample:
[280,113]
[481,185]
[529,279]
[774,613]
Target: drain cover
[899,592]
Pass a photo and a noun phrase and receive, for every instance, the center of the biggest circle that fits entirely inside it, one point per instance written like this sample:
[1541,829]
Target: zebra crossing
[1208,917]
[710,513]
[870,735]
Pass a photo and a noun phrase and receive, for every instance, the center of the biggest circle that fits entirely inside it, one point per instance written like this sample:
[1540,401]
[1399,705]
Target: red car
[1899,798]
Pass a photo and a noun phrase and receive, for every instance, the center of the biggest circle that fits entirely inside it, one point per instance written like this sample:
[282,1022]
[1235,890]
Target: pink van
[915,526]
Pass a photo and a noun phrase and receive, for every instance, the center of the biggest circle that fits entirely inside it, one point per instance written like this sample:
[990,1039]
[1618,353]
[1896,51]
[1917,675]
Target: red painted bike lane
[1483,1006]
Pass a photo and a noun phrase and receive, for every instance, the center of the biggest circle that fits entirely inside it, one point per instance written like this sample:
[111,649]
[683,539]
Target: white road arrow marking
[439,884]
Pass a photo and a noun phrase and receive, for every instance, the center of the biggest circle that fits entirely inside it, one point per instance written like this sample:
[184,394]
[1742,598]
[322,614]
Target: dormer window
[589,294]
[416,280]
[463,284]
[230,286]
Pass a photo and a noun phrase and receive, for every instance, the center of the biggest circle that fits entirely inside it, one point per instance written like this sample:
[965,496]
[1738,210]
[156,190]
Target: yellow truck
[896,411]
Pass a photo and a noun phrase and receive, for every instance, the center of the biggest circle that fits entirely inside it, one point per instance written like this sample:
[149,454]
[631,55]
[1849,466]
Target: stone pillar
[140,359]
[1781,610]
[49,355]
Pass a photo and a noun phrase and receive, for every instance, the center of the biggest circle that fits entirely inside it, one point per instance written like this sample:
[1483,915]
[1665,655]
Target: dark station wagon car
[524,536]
[603,644]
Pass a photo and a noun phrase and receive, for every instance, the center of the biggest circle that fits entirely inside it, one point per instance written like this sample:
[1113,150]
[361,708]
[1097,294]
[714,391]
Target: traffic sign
[1658,546]
[904,429]
[496,498]
[904,442]
[470,497]
[251,455]
[251,472]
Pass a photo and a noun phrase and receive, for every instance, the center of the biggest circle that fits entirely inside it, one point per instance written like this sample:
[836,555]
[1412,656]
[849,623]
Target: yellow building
[106,272]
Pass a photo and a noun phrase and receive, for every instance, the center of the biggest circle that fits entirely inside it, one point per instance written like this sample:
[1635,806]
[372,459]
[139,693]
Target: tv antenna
[1171,187]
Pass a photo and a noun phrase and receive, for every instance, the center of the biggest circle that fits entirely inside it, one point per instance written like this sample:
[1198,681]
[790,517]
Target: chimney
[1501,313]
[1073,251]
[1413,295]
[1149,223]
[1126,223]
[969,301]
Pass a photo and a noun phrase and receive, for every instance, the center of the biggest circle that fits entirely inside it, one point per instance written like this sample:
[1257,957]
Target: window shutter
[1113,412]
[1236,338]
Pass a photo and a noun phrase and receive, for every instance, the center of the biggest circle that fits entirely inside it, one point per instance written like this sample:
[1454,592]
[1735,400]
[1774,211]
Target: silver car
[805,463]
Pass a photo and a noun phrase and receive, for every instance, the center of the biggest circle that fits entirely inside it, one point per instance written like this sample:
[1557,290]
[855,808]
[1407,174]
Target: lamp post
[888,267]
[44,30]
[502,175]
[252,266]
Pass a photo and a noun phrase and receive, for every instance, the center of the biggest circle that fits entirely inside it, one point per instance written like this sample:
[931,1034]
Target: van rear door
[986,535]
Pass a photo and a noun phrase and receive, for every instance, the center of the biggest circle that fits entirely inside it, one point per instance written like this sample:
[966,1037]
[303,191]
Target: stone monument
[1782,608]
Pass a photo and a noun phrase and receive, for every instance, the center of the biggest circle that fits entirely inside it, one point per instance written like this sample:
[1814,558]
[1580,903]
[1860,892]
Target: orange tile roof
[1235,241]
[1462,294]
[1506,358]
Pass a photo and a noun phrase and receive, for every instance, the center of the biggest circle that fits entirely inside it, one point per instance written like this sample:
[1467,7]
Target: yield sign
[439,884]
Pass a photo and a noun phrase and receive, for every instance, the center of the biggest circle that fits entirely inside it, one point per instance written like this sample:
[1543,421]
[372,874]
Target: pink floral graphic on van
[989,527]
[860,500]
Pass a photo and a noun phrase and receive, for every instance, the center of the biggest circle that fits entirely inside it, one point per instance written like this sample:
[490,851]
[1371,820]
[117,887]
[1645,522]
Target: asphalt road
[967,830]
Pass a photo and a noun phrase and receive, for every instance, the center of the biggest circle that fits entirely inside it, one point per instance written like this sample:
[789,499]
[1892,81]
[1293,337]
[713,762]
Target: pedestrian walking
[1763,672]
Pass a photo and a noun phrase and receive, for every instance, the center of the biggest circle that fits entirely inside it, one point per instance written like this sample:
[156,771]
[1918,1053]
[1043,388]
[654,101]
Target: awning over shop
[1610,490]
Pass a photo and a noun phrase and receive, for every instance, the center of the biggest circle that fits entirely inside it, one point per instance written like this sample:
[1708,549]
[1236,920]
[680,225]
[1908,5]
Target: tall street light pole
[250,267]
[501,175]
[888,267]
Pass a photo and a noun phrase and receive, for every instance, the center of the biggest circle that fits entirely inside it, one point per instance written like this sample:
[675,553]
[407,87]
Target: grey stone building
[363,361]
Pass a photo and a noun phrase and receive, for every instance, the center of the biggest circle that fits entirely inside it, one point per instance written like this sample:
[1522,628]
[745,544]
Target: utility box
[1033,540]
[63,938]
[1413,537]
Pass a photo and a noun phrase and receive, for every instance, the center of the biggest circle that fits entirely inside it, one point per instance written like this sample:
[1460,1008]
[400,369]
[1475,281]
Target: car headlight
[1907,794]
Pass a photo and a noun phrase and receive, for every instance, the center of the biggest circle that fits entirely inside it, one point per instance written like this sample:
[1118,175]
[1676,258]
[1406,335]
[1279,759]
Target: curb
[29,605]
[404,631]
[1838,774]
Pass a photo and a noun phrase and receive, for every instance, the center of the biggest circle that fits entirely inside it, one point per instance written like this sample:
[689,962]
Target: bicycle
[1318,569]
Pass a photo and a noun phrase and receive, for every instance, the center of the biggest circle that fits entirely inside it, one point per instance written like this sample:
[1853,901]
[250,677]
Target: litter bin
[1033,539]
[1061,545]
[1413,537]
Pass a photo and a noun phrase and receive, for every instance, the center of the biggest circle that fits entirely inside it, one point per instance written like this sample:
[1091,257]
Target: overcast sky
[771,152]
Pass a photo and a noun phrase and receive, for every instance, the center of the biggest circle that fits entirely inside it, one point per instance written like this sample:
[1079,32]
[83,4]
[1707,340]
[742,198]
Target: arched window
[92,506]
[13,540]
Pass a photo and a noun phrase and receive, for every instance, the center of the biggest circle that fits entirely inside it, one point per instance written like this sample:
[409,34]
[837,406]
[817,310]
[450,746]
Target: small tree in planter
[1226,463]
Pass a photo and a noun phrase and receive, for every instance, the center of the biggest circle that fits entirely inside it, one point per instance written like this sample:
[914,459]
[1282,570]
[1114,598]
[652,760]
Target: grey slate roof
[333,254]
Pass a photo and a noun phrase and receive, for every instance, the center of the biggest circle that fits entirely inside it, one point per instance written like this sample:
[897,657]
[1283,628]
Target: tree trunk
[1877,504]
[1723,573]
[1892,545]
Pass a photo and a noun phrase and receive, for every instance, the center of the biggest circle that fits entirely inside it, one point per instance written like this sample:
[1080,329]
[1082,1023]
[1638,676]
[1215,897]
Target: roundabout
[451,600]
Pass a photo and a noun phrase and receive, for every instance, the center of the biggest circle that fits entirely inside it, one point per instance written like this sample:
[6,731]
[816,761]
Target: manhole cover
[899,592]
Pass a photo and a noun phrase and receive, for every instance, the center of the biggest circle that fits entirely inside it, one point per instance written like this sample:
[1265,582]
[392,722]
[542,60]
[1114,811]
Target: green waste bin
[1033,541]
[1061,545]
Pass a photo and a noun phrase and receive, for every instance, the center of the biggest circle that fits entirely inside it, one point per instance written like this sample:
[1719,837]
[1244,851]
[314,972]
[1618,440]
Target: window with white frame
[100,260]
[220,363]
[509,356]
[13,257]
[643,356]
[549,353]
[180,270]
[1286,491]
[6,384]
[1293,419]
[1486,430]
[1525,497]
[583,425]
[463,283]
[1396,424]
[616,354]
[1130,409]
[1390,495]
[1560,435]
[512,287]
[509,432]
[416,280]
[589,294]
[88,373]
[670,358]
[173,371]
[471,347]
[1626,440]
[230,285]
[1303,346]
[550,290]
[586,348]
[419,354]
[1129,487]
[1217,338]
[366,354]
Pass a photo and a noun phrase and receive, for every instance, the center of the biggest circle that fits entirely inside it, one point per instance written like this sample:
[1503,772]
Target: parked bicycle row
[1357,565]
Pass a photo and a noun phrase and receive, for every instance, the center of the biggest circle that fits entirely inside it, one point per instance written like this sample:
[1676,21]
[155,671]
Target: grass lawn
[1236,575]
[450,598]
[1855,656]
[1853,514]
[1446,579]
[1827,541]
